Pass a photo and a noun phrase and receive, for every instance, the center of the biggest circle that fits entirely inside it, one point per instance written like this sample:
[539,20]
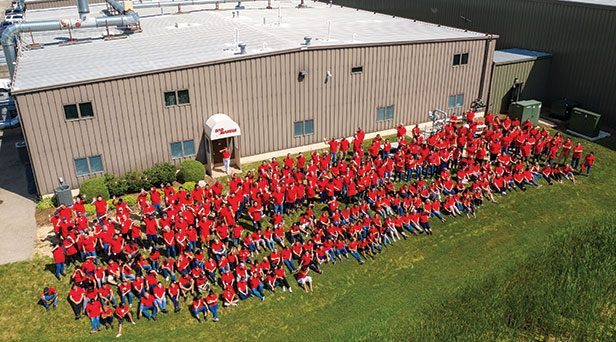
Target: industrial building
[579,34]
[123,89]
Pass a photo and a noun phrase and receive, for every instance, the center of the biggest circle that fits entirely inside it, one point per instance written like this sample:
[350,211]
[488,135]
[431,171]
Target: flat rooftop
[517,55]
[202,35]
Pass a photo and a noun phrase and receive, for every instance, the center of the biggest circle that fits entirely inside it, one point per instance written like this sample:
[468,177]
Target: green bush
[117,186]
[188,186]
[191,171]
[130,200]
[94,187]
[90,209]
[161,173]
[135,181]
[45,203]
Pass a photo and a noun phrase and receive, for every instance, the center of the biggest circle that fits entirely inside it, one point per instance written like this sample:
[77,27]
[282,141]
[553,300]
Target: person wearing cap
[49,296]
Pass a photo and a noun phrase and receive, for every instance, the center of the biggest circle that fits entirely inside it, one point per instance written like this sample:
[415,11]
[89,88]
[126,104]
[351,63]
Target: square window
[183,97]
[389,113]
[170,99]
[189,148]
[298,128]
[176,150]
[70,112]
[456,59]
[309,127]
[452,101]
[357,70]
[464,58]
[380,114]
[81,166]
[459,100]
[96,164]
[85,110]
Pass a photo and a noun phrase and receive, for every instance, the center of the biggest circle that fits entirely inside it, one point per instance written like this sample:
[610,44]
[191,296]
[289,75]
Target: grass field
[535,265]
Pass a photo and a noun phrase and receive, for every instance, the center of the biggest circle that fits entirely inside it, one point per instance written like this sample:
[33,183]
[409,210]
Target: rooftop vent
[307,40]
[242,47]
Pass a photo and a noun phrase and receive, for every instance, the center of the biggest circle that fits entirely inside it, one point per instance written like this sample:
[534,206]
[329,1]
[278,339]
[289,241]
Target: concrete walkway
[17,222]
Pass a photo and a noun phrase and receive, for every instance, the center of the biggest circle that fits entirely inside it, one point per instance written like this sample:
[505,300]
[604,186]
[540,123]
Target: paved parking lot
[17,222]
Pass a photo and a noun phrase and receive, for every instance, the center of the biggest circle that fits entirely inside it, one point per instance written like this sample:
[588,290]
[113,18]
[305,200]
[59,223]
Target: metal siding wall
[56,3]
[580,37]
[133,131]
[533,73]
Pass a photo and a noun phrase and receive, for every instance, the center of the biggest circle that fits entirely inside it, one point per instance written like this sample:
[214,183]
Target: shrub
[94,187]
[45,203]
[191,171]
[161,173]
[135,181]
[130,200]
[90,209]
[117,186]
[188,186]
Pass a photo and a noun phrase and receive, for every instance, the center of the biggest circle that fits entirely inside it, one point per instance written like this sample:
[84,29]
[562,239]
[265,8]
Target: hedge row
[131,182]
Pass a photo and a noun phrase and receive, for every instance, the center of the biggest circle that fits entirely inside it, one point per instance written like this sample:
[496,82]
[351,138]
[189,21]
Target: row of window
[460,59]
[302,128]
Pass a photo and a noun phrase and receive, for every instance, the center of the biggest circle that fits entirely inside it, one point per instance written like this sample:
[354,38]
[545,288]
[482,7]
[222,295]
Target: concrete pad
[18,225]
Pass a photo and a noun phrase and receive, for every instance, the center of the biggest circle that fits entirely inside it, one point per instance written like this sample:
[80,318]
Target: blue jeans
[226,162]
[278,208]
[290,265]
[332,159]
[146,310]
[55,301]
[171,251]
[356,255]
[575,162]
[214,310]
[111,297]
[59,269]
[162,303]
[244,296]
[167,273]
[587,169]
[159,210]
[130,298]
[258,291]
[200,310]
[96,322]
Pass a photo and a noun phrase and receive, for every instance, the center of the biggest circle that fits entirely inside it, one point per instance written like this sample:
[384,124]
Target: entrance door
[217,146]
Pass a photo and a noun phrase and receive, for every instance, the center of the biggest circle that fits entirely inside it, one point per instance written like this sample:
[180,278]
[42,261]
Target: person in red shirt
[226,159]
[122,312]
[101,207]
[49,296]
[94,309]
[147,304]
[212,304]
[344,148]
[198,307]
[58,258]
[75,298]
[577,155]
[229,297]
[304,279]
[333,149]
[588,161]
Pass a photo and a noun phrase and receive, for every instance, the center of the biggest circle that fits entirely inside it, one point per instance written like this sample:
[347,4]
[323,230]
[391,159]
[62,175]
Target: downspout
[9,35]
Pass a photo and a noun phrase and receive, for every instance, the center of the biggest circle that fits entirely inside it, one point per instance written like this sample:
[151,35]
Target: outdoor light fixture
[302,75]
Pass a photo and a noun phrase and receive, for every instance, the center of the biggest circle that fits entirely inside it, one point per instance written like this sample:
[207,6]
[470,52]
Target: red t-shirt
[101,207]
[226,155]
[93,309]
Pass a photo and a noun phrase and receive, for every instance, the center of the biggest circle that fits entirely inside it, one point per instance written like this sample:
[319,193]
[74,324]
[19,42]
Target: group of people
[208,246]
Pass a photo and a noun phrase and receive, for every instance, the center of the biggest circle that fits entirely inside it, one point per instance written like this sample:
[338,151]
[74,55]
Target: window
[89,165]
[179,97]
[460,59]
[78,111]
[455,101]
[357,70]
[301,128]
[181,149]
[384,113]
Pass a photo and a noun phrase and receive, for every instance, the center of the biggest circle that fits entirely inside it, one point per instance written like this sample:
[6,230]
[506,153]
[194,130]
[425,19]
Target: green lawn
[402,295]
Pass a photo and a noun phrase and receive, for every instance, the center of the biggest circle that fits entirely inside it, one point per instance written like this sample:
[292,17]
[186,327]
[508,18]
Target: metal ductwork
[9,35]
[84,9]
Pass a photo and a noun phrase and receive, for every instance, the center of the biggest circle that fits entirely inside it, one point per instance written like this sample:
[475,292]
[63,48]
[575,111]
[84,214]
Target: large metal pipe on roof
[9,34]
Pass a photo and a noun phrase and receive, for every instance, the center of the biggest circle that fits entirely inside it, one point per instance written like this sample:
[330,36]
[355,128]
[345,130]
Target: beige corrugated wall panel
[579,36]
[532,73]
[56,3]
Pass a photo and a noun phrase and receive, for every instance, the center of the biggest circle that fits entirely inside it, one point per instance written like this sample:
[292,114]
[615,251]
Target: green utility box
[525,110]
[561,109]
[585,122]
